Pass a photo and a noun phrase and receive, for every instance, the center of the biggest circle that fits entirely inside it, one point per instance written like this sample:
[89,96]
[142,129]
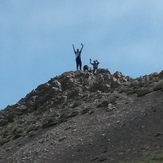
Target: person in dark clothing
[78,56]
[95,64]
[85,68]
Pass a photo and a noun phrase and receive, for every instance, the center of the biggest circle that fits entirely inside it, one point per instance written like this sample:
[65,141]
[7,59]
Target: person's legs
[94,70]
[80,64]
[77,64]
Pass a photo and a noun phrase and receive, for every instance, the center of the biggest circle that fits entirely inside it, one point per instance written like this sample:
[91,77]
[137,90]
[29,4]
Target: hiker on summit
[78,56]
[95,64]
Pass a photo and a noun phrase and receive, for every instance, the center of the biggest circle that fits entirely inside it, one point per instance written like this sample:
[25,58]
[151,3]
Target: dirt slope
[133,131]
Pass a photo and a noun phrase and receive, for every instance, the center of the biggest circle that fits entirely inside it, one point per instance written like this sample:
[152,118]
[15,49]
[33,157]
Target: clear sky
[36,38]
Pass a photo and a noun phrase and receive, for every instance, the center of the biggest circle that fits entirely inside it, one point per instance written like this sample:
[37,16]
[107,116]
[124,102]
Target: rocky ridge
[74,95]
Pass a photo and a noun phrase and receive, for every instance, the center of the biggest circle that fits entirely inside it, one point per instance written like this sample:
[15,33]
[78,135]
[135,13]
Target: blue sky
[36,38]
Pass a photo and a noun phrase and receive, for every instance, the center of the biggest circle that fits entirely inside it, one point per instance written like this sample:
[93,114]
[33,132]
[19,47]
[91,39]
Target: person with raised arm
[95,64]
[78,56]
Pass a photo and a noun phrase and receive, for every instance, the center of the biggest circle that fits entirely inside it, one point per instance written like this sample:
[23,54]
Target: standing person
[95,64]
[78,56]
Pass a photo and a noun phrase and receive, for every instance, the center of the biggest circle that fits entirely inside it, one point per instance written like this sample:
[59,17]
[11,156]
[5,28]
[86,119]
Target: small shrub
[131,91]
[73,114]
[155,158]
[33,127]
[143,91]
[49,121]
[103,104]
[3,141]
[17,129]
[85,110]
[134,83]
[158,86]
[138,84]
[17,135]
[123,89]
[158,158]
[76,103]
[32,133]
[112,99]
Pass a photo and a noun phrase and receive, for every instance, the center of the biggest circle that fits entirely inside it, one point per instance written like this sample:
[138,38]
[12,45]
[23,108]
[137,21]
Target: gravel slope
[130,132]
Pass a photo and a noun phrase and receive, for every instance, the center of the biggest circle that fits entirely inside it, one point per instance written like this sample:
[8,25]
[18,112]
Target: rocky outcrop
[62,90]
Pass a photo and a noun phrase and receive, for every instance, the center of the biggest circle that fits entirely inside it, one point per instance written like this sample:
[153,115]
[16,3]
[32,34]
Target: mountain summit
[81,117]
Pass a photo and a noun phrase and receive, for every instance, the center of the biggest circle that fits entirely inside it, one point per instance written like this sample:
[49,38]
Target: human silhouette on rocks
[78,56]
[95,64]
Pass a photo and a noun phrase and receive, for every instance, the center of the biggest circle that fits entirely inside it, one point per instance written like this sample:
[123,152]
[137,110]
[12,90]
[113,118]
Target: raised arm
[91,62]
[97,62]
[81,47]
[73,48]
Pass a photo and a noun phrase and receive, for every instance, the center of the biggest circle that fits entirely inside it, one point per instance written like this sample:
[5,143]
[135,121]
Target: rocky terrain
[81,117]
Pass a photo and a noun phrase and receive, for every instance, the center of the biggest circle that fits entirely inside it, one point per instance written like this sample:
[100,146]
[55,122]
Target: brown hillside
[79,117]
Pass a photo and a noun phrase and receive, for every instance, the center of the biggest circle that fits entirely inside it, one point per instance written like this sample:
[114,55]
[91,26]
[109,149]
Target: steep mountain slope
[82,117]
